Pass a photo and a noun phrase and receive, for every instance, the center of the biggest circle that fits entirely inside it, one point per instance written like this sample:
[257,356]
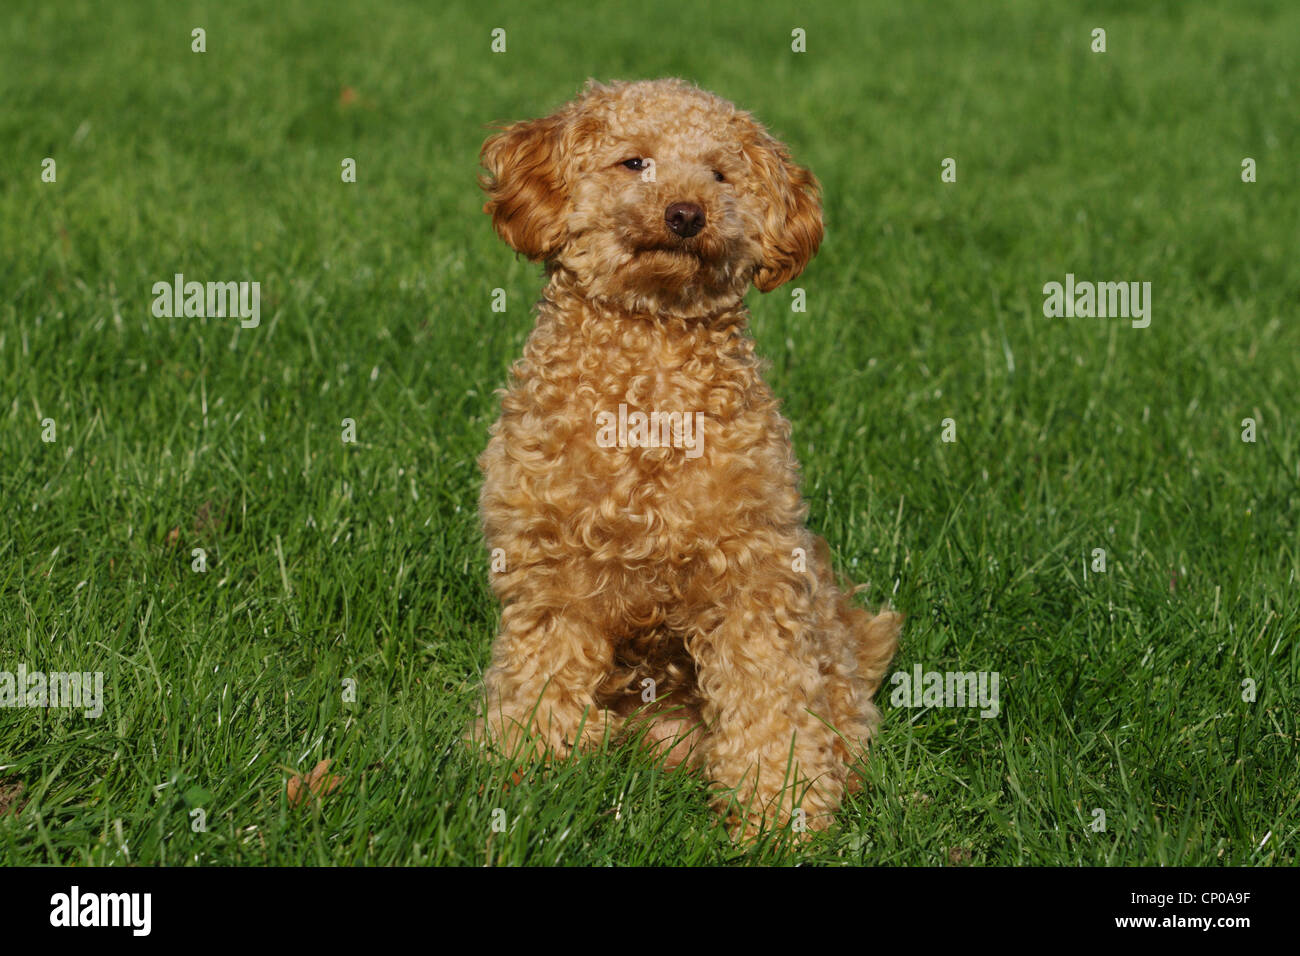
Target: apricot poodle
[641,498]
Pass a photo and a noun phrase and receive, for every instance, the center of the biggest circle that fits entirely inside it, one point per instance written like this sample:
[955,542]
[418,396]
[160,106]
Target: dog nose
[684,218]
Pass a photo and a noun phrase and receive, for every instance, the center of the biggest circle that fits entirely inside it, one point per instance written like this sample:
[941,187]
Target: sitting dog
[640,488]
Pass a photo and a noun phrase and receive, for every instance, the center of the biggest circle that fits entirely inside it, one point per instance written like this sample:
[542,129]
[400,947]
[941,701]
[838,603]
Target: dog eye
[636,164]
[719,177]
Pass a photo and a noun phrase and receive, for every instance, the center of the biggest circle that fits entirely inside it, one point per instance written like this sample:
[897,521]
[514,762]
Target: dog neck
[564,290]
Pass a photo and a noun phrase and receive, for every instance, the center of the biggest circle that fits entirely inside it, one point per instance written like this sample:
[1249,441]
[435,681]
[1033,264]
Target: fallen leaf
[11,792]
[209,517]
[319,783]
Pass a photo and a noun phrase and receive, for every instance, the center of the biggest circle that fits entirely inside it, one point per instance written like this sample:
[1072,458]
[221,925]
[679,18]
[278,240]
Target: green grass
[1120,691]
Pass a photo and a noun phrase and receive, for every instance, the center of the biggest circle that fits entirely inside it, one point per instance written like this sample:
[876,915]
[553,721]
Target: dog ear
[792,226]
[523,183]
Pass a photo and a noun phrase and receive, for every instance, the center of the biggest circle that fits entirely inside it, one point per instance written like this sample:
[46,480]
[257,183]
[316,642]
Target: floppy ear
[525,193]
[792,227]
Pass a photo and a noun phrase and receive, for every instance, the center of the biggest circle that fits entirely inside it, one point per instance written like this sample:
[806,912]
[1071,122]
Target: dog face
[655,196]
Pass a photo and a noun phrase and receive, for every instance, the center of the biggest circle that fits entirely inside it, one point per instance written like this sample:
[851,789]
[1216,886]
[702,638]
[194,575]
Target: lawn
[1149,713]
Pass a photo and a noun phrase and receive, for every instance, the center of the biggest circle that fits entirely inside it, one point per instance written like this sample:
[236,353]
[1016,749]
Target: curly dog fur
[654,206]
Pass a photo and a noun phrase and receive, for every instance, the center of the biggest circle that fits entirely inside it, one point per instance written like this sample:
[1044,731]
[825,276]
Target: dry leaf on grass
[210,518]
[319,783]
[11,797]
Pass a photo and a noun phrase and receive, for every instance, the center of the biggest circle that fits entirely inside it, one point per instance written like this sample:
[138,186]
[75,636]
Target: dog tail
[875,635]
[877,638]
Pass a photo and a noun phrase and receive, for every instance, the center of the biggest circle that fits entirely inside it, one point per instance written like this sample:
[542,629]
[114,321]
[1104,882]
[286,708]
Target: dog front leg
[768,744]
[539,694]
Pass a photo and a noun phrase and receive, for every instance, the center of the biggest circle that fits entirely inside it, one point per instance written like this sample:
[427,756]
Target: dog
[640,490]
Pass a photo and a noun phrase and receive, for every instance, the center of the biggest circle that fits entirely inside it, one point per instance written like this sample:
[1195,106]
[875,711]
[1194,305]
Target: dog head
[656,196]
